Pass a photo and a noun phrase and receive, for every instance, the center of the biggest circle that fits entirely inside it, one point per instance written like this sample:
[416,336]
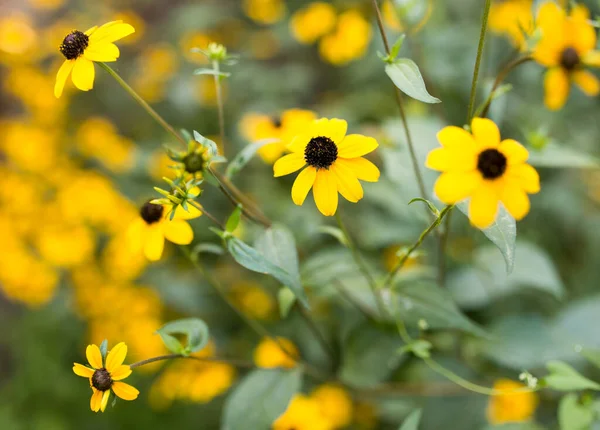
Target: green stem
[234,362]
[484,25]
[361,265]
[220,107]
[500,78]
[159,119]
[400,103]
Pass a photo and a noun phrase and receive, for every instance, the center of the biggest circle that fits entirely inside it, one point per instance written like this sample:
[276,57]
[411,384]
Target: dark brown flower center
[321,152]
[101,380]
[491,163]
[569,59]
[74,44]
[276,120]
[151,213]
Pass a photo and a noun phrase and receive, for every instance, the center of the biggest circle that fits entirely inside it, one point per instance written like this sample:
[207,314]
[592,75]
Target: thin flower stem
[390,278]
[220,107]
[484,25]
[325,345]
[400,103]
[159,119]
[233,361]
[361,265]
[208,214]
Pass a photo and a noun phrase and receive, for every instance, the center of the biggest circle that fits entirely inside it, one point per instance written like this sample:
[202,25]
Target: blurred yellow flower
[264,11]
[17,35]
[82,49]
[194,39]
[264,44]
[566,46]
[160,165]
[255,127]
[268,353]
[106,375]
[98,138]
[511,408]
[489,171]
[148,232]
[31,148]
[406,15]
[253,300]
[192,380]
[349,41]
[335,404]
[313,21]
[513,18]
[335,164]
[136,21]
[303,413]
[391,258]
[65,245]
[119,262]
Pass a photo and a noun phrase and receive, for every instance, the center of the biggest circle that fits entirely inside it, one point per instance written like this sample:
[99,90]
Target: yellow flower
[312,22]
[511,408]
[335,164]
[253,300]
[284,128]
[335,405]
[566,46]
[406,15]
[478,165]
[148,232]
[349,41]
[303,413]
[17,35]
[105,376]
[514,18]
[264,11]
[82,49]
[268,353]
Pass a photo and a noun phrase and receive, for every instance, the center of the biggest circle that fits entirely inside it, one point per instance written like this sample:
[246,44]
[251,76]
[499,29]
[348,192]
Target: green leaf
[245,155]
[553,155]
[261,397]
[211,72]
[564,378]
[412,421]
[104,348]
[208,248]
[369,355]
[405,74]
[234,219]
[427,301]
[572,415]
[334,232]
[194,329]
[592,355]
[207,143]
[255,261]
[286,299]
[420,347]
[397,46]
[502,233]
[434,210]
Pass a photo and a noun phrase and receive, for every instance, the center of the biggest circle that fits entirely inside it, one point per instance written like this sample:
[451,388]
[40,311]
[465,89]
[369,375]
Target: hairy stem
[220,103]
[484,25]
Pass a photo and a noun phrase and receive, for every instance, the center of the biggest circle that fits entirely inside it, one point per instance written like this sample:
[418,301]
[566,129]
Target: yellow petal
[363,169]
[136,234]
[444,159]
[81,370]
[116,356]
[592,59]
[121,372]
[96,400]
[192,212]
[154,242]
[556,87]
[105,52]
[334,128]
[551,21]
[356,145]
[526,176]
[587,81]
[453,137]
[303,184]
[580,34]
[347,183]
[61,77]
[111,32]
[325,192]
[289,164]
[104,400]
[515,200]
[125,391]
[485,132]
[514,152]
[83,74]
[483,206]
[452,187]
[299,142]
[94,357]
[89,31]
[178,231]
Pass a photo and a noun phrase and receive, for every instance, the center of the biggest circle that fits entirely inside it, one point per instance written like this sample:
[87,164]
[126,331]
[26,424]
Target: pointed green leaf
[563,377]
[412,421]
[245,155]
[405,74]
[234,219]
[195,330]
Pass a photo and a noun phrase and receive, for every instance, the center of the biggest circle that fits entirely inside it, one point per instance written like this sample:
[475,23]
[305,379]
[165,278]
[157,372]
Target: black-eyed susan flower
[513,18]
[82,49]
[508,407]
[334,163]
[566,47]
[106,375]
[148,232]
[479,166]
